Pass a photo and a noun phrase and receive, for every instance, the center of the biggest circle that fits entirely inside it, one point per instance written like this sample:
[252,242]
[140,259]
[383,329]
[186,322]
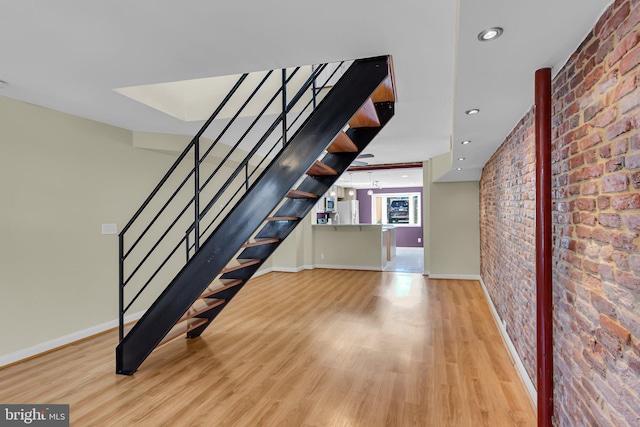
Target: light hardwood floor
[316,348]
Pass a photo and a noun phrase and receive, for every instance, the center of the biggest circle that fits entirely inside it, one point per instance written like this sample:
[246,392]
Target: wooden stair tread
[203,307]
[320,169]
[384,92]
[283,218]
[242,265]
[210,292]
[260,242]
[366,117]
[342,144]
[181,329]
[297,194]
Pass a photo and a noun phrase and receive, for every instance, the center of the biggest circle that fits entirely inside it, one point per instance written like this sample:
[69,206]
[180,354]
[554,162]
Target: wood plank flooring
[316,348]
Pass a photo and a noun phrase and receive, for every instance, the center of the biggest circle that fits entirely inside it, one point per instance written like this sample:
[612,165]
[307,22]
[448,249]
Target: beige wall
[61,177]
[453,232]
[348,246]
[294,254]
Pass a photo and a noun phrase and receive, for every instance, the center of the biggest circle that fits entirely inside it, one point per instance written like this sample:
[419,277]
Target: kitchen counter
[353,246]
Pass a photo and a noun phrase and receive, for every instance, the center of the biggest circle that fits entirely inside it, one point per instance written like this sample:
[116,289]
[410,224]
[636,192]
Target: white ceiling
[70,55]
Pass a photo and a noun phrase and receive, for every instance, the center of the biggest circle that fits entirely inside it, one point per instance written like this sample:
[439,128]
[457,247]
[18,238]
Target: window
[396,209]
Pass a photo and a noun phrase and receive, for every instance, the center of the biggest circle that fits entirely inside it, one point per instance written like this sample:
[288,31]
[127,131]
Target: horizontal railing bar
[175,193]
[183,154]
[253,94]
[153,248]
[154,274]
[299,94]
[221,106]
[250,155]
[295,100]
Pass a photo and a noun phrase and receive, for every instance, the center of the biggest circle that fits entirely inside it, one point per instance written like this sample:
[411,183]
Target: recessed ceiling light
[472,111]
[3,84]
[490,34]
[461,158]
[459,169]
[465,142]
[404,176]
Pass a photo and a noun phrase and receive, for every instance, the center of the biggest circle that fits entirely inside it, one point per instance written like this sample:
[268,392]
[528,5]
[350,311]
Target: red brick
[609,220]
[625,201]
[632,222]
[589,188]
[624,46]
[604,202]
[587,218]
[610,343]
[614,183]
[614,164]
[628,85]
[620,147]
[590,156]
[609,81]
[621,258]
[602,21]
[606,118]
[596,157]
[630,61]
[615,329]
[605,49]
[634,363]
[634,263]
[628,280]
[620,127]
[596,361]
[601,235]
[632,20]
[630,102]
[585,204]
[594,171]
[576,161]
[594,77]
[623,241]
[602,304]
[616,20]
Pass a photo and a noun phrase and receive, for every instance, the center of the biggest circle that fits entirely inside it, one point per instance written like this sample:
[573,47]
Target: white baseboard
[37,349]
[263,272]
[524,375]
[289,269]
[347,267]
[455,276]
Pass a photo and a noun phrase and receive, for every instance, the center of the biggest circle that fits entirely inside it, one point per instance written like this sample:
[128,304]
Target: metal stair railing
[209,182]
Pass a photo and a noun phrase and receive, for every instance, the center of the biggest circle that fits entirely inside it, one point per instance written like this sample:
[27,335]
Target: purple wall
[406,237]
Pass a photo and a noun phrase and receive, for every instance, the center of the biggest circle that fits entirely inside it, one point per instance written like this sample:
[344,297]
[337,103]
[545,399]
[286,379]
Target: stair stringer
[306,145]
[300,208]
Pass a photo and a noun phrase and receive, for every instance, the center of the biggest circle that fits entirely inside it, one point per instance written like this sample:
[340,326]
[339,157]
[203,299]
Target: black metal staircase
[265,194]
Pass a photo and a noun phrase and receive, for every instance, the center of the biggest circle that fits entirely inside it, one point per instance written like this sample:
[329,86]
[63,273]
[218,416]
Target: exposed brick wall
[596,192]
[507,236]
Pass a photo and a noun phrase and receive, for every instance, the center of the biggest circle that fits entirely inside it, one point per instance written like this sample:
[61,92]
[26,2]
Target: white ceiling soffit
[497,77]
[382,178]
[70,56]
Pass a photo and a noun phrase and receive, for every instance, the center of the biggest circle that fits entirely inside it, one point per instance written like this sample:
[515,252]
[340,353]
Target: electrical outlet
[419,239]
[321,256]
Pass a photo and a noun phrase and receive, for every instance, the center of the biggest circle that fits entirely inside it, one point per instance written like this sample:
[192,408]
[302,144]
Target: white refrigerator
[348,212]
